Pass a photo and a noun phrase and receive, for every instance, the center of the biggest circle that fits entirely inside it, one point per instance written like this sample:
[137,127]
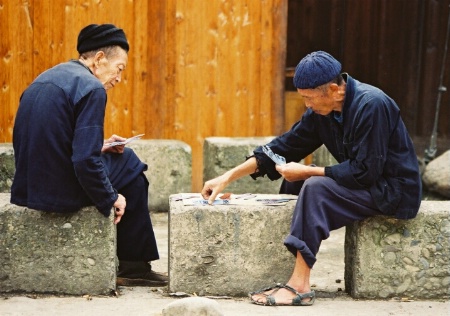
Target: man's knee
[317,184]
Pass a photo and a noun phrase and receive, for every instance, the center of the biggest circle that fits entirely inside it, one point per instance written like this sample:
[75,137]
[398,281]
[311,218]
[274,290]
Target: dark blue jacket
[370,142]
[57,139]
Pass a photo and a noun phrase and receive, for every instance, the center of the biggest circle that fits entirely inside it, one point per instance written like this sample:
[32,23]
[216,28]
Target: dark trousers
[322,206]
[135,237]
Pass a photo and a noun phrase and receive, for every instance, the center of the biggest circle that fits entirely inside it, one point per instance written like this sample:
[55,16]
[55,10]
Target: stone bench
[7,167]
[221,154]
[228,249]
[386,257]
[56,253]
[169,168]
[232,250]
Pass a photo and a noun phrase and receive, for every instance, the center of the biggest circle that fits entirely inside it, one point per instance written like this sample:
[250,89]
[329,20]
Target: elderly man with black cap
[377,171]
[62,163]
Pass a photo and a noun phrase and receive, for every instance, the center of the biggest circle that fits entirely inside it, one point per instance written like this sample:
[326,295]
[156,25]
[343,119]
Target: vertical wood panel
[139,108]
[225,71]
[278,60]
[156,115]
[436,15]
[16,47]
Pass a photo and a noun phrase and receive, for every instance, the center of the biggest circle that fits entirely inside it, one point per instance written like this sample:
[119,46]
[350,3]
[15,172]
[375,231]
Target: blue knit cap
[316,69]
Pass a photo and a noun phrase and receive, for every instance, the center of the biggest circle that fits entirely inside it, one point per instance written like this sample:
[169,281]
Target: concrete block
[228,249]
[386,257]
[44,252]
[169,169]
[7,166]
[322,157]
[223,153]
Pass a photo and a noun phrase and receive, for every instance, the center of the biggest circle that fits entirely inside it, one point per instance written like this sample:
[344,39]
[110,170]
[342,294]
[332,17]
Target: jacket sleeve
[300,141]
[86,146]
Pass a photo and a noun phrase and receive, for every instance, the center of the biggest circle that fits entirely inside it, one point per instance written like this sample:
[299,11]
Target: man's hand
[114,149]
[294,171]
[212,188]
[119,208]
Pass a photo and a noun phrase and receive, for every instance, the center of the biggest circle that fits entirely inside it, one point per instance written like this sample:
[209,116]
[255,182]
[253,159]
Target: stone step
[169,168]
[228,249]
[44,252]
[221,154]
[234,249]
[386,257]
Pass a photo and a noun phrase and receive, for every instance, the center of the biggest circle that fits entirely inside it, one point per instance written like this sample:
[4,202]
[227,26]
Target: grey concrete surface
[238,248]
[387,257]
[169,168]
[220,154]
[327,278]
[37,250]
[7,167]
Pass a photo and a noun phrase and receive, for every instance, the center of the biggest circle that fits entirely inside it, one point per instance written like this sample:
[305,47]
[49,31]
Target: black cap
[96,36]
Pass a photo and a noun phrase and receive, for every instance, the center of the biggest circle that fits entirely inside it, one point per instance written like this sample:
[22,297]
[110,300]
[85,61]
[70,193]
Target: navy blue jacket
[57,139]
[370,142]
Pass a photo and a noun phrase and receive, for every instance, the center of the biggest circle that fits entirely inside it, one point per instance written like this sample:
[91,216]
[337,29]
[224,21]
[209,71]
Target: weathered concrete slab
[169,169]
[7,167]
[228,249]
[221,154]
[396,258]
[54,253]
[322,157]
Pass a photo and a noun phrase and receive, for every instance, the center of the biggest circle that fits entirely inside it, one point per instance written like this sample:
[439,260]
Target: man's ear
[98,56]
[334,87]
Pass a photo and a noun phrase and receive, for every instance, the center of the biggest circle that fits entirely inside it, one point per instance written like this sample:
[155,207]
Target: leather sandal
[298,300]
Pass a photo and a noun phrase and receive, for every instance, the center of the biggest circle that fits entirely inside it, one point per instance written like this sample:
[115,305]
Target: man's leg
[299,281]
[135,237]
[322,206]
[136,243]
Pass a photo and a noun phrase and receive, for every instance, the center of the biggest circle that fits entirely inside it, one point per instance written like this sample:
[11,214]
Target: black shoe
[137,273]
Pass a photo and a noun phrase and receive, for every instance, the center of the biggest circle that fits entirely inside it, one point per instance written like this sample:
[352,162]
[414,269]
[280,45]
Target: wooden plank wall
[215,68]
[196,68]
[229,70]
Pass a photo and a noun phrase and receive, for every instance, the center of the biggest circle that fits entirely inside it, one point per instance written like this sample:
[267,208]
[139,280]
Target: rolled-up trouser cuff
[294,244]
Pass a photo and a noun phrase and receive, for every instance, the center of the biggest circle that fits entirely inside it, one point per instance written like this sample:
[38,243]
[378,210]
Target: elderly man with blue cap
[62,162]
[377,171]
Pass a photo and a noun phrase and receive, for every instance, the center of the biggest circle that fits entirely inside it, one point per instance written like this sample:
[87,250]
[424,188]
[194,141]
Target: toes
[259,298]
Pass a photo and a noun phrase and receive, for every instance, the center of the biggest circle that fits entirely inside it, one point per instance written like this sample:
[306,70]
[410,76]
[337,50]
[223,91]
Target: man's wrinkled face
[320,99]
[108,69]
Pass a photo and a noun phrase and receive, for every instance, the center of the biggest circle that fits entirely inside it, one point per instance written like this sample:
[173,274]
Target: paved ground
[327,278]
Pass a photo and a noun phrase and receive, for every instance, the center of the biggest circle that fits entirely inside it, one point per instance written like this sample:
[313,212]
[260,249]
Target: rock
[436,177]
[193,306]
